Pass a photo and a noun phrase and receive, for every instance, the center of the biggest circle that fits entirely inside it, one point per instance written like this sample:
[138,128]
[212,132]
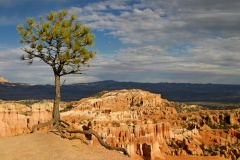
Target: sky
[180,41]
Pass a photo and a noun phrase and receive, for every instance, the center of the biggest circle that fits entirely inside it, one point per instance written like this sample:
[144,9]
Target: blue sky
[184,41]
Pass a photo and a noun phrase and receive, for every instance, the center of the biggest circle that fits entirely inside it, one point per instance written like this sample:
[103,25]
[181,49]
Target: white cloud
[119,6]
[6,20]
[219,51]
[203,64]
[183,40]
[96,6]
[19,71]
[161,21]
[39,72]
[70,79]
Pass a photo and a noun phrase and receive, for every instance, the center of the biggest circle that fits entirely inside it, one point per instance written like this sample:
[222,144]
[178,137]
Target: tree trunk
[56,113]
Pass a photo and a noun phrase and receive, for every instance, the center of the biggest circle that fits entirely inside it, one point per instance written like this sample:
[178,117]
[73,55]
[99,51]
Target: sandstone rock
[148,126]
[17,119]
[122,99]
[3,80]
[146,139]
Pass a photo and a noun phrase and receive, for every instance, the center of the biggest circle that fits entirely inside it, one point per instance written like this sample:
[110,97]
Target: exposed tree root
[61,128]
[78,137]
[92,132]
[36,126]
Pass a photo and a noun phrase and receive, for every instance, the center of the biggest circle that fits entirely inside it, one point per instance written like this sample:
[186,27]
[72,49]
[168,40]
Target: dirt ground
[195,158]
[43,146]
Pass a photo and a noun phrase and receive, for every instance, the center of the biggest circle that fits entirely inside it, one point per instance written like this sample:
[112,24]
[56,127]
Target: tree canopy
[59,40]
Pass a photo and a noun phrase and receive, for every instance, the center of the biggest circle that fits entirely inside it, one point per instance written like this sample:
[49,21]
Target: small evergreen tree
[59,41]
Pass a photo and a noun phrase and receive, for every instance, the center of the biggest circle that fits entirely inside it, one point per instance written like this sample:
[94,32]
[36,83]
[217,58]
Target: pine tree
[61,42]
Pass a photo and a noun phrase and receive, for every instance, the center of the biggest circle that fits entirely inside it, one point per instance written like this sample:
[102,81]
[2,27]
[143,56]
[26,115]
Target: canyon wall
[17,118]
[148,126]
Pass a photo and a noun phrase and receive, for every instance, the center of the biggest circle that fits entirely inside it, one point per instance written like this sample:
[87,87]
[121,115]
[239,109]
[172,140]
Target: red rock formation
[124,108]
[3,80]
[146,125]
[17,119]
[147,140]
[121,100]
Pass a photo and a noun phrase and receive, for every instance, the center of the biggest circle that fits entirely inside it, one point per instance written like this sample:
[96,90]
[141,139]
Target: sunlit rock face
[120,117]
[17,119]
[3,80]
[120,100]
[146,140]
[148,126]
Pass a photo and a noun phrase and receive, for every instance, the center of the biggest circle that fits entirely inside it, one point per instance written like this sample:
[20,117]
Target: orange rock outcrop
[17,119]
[3,80]
[148,126]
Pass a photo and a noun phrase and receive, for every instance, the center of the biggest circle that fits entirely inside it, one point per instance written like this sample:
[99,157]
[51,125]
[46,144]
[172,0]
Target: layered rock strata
[148,126]
[17,119]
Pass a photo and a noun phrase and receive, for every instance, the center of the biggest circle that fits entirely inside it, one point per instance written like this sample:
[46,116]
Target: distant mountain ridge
[182,92]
